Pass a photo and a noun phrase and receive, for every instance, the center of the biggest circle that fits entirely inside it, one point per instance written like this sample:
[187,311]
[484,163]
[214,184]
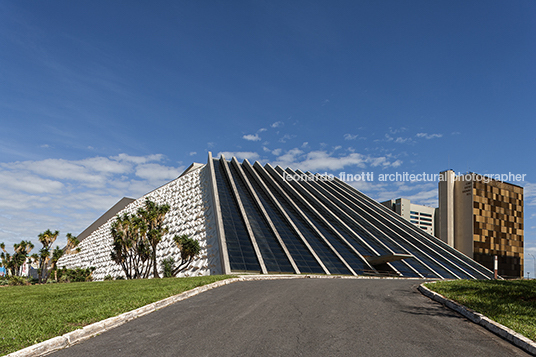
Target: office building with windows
[483,218]
[250,218]
[423,217]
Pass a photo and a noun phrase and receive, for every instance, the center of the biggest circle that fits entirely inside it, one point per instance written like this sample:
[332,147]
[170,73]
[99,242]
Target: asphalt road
[301,317]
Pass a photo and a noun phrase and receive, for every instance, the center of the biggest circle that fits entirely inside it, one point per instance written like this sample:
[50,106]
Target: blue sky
[105,99]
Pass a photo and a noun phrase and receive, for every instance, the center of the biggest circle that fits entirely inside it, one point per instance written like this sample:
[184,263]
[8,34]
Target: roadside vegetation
[46,260]
[511,303]
[35,313]
[135,241]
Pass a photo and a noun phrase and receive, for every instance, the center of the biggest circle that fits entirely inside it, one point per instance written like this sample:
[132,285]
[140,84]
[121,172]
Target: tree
[72,243]
[14,262]
[153,217]
[189,250]
[129,249]
[56,255]
[6,258]
[47,238]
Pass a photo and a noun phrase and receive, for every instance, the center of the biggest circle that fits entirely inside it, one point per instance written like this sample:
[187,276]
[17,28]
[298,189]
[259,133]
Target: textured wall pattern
[188,215]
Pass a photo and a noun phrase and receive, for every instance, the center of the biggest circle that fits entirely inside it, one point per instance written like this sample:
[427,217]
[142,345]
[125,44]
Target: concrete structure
[483,218]
[423,217]
[260,219]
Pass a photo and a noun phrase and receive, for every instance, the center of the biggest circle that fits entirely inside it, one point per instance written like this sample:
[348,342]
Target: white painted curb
[508,334]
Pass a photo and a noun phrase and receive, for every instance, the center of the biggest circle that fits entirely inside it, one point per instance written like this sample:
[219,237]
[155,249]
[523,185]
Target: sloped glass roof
[275,225]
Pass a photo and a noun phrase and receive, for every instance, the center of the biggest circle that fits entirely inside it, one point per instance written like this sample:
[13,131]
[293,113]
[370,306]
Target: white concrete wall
[190,213]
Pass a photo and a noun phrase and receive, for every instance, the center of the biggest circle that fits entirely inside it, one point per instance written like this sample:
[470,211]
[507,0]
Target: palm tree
[46,238]
[6,258]
[153,217]
[20,252]
[72,243]
[56,255]
[129,249]
[189,250]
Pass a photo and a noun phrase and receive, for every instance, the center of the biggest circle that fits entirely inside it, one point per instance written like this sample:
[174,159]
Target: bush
[4,282]
[18,280]
[75,275]
[108,277]
[167,267]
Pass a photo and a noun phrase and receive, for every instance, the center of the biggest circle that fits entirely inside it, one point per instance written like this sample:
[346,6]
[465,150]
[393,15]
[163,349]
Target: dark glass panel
[242,256]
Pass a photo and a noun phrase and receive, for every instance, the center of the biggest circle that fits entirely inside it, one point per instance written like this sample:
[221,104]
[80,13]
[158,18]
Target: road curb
[508,334]
[71,338]
[77,336]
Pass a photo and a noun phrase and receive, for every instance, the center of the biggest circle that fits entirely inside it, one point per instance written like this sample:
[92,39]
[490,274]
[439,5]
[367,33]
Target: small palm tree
[153,216]
[189,248]
[72,243]
[56,255]
[47,238]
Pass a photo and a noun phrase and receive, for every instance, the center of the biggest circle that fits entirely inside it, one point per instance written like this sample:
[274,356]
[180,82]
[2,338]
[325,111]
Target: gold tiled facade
[498,226]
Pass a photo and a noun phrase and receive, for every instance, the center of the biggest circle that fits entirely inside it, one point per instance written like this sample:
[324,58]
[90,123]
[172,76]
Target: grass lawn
[511,303]
[32,314]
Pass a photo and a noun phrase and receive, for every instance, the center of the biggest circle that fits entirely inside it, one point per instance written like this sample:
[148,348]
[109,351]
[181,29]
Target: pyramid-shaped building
[263,219]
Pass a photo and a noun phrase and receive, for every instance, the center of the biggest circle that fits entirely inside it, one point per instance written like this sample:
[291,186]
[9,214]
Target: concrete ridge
[508,334]
[76,336]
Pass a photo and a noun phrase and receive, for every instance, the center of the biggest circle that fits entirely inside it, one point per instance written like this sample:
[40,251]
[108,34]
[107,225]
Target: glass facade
[324,227]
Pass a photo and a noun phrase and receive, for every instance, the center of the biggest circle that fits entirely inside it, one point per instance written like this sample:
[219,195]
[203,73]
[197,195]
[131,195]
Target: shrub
[18,280]
[75,275]
[108,277]
[167,267]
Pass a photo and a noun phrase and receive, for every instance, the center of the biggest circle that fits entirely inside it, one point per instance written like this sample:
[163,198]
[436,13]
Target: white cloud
[277,124]
[158,173]
[350,137]
[529,194]
[240,155]
[192,153]
[321,160]
[398,140]
[428,136]
[70,194]
[286,137]
[261,130]
[277,152]
[401,140]
[251,137]
[396,131]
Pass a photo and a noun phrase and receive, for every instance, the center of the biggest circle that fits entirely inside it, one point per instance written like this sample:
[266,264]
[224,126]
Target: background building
[423,217]
[483,218]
